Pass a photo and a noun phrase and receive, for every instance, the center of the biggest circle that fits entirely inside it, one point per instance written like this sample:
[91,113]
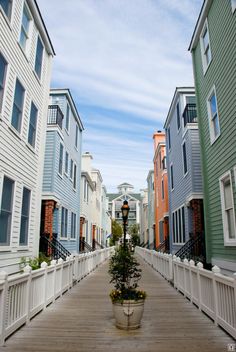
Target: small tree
[116,232]
[134,233]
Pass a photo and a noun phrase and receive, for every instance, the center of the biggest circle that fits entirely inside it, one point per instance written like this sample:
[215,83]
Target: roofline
[158,148]
[150,172]
[67,92]
[40,22]
[178,90]
[199,24]
[99,174]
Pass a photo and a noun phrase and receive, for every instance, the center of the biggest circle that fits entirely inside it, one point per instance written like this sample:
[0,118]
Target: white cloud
[125,57]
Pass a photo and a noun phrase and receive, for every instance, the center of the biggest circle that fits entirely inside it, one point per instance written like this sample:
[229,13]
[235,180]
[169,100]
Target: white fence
[22,296]
[212,292]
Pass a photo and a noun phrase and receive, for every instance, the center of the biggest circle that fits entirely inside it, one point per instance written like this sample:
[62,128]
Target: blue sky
[122,60]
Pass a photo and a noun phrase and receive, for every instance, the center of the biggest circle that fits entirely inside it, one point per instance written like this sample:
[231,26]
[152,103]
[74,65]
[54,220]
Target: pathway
[82,321]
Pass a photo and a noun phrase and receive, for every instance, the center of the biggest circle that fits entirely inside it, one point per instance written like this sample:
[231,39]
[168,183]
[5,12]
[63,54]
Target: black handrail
[190,114]
[97,245]
[55,115]
[164,246]
[193,249]
[52,248]
[59,246]
[84,246]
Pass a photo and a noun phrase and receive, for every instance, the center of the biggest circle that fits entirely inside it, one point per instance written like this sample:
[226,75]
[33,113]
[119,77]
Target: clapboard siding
[219,157]
[184,185]
[18,160]
[56,185]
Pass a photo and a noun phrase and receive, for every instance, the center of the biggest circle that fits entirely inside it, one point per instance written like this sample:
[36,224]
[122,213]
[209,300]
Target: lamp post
[125,213]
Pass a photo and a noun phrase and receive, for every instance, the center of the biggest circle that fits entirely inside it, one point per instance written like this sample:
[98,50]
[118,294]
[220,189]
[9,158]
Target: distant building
[150,210]
[26,54]
[62,169]
[125,192]
[213,49]
[184,169]
[144,230]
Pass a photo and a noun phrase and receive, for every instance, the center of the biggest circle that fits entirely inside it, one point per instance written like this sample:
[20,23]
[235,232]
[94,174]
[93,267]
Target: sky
[121,60]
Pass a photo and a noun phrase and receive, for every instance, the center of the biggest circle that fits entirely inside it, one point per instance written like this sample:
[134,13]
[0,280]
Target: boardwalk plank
[82,321]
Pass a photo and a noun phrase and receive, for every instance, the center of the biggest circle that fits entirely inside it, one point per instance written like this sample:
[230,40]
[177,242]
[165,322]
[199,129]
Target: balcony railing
[190,114]
[55,115]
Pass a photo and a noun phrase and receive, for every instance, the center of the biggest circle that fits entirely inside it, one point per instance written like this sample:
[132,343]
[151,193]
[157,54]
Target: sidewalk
[82,321]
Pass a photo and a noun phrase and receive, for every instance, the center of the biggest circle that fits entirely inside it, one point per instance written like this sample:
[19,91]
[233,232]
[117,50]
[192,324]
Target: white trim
[210,123]
[43,58]
[184,173]
[194,196]
[227,265]
[171,174]
[2,175]
[26,50]
[227,241]
[205,64]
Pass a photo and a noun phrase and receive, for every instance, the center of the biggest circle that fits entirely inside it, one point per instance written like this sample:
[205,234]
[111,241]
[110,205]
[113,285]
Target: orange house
[161,192]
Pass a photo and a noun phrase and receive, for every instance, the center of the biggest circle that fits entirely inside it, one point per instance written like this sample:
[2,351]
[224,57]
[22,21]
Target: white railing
[212,292]
[23,295]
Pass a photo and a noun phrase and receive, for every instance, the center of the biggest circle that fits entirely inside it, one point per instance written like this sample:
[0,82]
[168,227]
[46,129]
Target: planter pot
[128,314]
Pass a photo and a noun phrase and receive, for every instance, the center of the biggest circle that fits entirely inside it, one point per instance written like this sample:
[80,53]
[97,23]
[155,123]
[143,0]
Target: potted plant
[128,301]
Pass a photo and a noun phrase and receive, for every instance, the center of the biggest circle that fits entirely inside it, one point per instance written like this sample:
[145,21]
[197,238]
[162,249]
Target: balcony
[190,114]
[55,115]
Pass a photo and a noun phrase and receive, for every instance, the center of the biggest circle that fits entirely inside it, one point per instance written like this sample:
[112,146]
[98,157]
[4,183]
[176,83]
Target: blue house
[184,170]
[60,217]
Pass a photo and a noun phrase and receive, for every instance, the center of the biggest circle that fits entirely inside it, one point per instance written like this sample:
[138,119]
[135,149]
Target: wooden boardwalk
[82,321]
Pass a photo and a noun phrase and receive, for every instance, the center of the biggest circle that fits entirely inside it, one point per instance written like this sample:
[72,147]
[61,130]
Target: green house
[213,48]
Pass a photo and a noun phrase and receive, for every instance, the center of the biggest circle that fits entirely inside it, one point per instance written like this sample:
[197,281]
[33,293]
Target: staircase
[97,245]
[84,246]
[164,246]
[193,249]
[52,248]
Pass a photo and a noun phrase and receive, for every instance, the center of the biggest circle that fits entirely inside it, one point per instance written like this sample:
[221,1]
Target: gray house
[184,169]
[151,215]
[62,171]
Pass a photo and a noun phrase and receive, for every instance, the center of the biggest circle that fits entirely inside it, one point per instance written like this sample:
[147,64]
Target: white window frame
[8,16]
[68,109]
[172,186]
[18,132]
[66,163]
[222,179]
[61,173]
[213,137]
[25,245]
[2,91]
[169,138]
[28,34]
[178,236]
[7,246]
[182,147]
[42,59]
[233,4]
[205,64]
[30,124]
[75,174]
[178,105]
[64,228]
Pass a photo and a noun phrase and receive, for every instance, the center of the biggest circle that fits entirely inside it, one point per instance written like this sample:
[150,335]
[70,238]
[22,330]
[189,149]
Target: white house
[26,53]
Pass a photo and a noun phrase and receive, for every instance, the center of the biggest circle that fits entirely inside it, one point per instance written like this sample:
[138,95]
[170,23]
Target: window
[178,116]
[162,189]
[160,159]
[184,158]
[76,136]
[67,117]
[169,140]
[24,226]
[214,124]
[60,159]
[64,221]
[71,168]
[73,225]
[24,34]
[39,58]
[171,177]
[227,207]
[32,125]
[18,106]
[85,188]
[6,6]
[75,176]
[233,3]
[6,211]
[3,70]
[178,225]
[66,163]
[164,163]
[205,47]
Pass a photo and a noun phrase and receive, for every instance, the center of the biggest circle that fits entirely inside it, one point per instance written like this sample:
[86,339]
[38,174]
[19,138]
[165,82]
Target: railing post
[3,305]
[178,260]
[199,268]
[215,271]
[185,280]
[60,262]
[28,270]
[191,265]
[170,267]
[53,263]
[44,266]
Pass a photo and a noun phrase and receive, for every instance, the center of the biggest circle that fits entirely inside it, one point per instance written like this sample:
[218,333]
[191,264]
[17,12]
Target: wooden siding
[184,185]
[17,159]
[220,156]
[62,186]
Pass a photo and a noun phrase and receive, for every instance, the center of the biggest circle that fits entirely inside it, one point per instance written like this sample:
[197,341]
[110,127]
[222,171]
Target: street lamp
[125,213]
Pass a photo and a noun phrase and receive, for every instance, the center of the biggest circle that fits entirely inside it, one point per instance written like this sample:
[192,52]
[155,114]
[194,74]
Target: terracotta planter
[128,314]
